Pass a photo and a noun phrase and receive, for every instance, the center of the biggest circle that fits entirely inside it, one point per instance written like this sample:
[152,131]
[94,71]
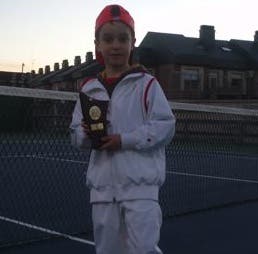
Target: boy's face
[115,42]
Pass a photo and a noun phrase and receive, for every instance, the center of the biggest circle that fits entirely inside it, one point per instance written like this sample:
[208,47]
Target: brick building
[187,68]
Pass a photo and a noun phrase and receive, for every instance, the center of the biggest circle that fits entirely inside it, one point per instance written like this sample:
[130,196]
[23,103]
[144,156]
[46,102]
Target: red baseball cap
[112,13]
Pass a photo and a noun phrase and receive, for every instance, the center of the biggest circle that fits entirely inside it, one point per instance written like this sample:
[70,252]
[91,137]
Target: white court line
[213,177]
[45,230]
[43,157]
[58,159]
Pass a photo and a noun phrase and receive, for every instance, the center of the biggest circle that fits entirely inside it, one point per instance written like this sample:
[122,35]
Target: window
[236,79]
[190,78]
[236,82]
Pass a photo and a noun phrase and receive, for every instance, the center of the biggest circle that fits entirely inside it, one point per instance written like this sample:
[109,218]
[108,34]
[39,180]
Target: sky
[37,33]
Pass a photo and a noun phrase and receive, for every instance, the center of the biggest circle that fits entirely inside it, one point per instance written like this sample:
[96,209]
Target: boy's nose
[116,43]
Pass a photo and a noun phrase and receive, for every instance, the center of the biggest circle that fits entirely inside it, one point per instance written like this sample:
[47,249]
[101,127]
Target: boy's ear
[133,44]
[96,42]
[98,54]
[134,40]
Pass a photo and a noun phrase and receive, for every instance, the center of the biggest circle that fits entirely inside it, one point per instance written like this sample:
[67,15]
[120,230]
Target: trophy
[94,115]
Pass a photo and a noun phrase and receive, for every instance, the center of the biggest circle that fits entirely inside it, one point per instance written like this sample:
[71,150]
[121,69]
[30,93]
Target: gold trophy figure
[94,115]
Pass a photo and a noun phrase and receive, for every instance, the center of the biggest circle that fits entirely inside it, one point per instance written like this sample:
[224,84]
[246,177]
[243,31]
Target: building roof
[45,78]
[164,48]
[66,74]
[248,49]
[89,70]
[85,69]
[13,78]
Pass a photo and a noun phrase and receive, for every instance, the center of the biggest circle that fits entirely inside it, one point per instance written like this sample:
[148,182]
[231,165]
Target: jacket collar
[136,70]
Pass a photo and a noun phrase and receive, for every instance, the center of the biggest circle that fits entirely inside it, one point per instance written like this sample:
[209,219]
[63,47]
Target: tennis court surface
[209,200]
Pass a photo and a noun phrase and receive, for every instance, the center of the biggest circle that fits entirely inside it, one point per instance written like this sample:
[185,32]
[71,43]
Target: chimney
[89,57]
[77,60]
[256,38]
[47,69]
[207,36]
[40,71]
[65,64]
[56,67]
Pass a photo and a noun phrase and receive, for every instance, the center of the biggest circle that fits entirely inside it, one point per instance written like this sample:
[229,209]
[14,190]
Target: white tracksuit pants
[128,227]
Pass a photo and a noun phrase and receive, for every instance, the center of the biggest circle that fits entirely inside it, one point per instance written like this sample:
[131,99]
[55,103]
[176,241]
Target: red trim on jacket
[85,81]
[146,94]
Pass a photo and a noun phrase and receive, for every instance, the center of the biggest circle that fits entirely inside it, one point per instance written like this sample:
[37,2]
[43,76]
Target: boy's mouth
[116,55]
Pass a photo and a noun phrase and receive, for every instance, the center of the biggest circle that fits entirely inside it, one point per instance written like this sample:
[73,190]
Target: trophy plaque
[94,115]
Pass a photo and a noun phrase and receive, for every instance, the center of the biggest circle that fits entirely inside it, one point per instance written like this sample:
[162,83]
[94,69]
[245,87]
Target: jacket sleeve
[159,126]
[79,138]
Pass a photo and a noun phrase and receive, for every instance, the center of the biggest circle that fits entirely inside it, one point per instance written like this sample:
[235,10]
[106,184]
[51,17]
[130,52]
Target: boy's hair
[109,14]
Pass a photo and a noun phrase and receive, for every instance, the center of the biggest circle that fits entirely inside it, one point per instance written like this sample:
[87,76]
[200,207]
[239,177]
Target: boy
[126,172]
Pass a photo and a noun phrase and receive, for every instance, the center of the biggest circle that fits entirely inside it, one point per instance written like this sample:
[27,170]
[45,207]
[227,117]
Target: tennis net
[211,162]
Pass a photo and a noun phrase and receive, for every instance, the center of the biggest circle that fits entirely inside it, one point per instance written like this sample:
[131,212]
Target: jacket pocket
[139,168]
[99,171]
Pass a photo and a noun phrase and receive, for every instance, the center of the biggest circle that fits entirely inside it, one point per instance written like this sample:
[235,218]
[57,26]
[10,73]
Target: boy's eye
[108,39]
[123,38]
[120,38]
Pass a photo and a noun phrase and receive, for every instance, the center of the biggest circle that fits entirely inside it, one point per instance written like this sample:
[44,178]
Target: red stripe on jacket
[146,94]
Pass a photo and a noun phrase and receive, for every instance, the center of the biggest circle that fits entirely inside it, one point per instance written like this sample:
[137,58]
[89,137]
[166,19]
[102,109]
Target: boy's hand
[85,127]
[111,142]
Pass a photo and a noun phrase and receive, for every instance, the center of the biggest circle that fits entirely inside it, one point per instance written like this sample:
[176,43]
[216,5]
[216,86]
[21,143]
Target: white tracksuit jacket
[138,110]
